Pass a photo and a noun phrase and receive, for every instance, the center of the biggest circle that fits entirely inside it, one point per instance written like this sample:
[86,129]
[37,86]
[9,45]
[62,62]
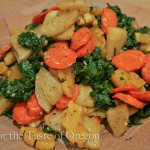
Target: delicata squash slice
[75,67]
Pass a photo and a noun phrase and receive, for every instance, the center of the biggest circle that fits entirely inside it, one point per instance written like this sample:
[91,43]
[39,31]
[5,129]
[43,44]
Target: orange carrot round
[39,18]
[86,49]
[20,114]
[108,20]
[61,45]
[145,71]
[5,49]
[34,110]
[129,100]
[64,100]
[59,58]
[130,60]
[124,88]
[143,96]
[80,38]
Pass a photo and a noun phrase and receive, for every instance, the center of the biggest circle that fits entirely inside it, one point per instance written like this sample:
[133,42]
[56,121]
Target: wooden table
[17,13]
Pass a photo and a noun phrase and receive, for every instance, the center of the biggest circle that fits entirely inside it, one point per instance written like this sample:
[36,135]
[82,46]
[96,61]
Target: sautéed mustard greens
[91,70]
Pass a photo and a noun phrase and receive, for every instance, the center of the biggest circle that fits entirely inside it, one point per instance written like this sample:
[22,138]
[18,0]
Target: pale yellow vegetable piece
[14,73]
[84,98]
[10,58]
[45,141]
[73,5]
[20,52]
[96,11]
[38,139]
[51,87]
[53,26]
[67,79]
[53,120]
[142,38]
[39,91]
[72,120]
[98,36]
[92,125]
[85,19]
[135,24]
[116,39]
[3,68]
[35,124]
[5,104]
[66,35]
[121,77]
[118,119]
[145,47]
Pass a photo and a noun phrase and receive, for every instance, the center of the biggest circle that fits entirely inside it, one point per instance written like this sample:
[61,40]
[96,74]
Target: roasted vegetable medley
[72,69]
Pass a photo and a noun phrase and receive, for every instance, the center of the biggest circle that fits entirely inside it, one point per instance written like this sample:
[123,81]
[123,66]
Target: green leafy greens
[32,41]
[21,90]
[94,71]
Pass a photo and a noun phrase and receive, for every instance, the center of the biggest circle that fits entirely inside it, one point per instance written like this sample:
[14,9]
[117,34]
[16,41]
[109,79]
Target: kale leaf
[8,113]
[32,41]
[21,90]
[135,119]
[94,71]
[31,26]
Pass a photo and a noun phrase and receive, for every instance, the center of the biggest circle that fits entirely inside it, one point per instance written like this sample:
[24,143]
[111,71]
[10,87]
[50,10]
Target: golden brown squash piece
[92,125]
[10,58]
[121,77]
[98,36]
[3,68]
[85,19]
[14,73]
[145,47]
[53,26]
[72,120]
[142,38]
[73,5]
[84,98]
[5,104]
[118,119]
[116,39]
[67,79]
[53,120]
[66,35]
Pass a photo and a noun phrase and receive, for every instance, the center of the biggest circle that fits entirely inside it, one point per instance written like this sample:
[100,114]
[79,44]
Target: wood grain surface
[15,14]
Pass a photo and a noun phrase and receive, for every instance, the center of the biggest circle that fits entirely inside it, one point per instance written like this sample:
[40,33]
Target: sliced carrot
[129,100]
[61,45]
[5,49]
[145,71]
[130,60]
[143,96]
[108,19]
[34,110]
[39,18]
[86,49]
[59,58]
[20,114]
[124,88]
[63,101]
[80,38]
